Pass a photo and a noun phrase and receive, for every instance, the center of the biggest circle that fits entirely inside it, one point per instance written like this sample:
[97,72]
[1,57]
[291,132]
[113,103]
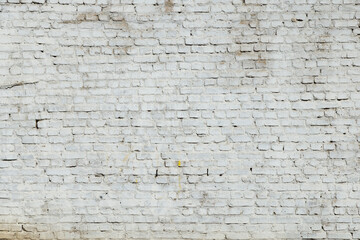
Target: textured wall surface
[179,119]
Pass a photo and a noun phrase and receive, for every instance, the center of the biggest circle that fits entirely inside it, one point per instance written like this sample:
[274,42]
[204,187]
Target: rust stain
[19,231]
[169,6]
[260,62]
[120,20]
[84,17]
[81,17]
[179,176]
[92,17]
[244,22]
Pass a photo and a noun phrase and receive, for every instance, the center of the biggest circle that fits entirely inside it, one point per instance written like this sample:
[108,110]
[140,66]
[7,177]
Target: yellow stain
[126,157]
[179,163]
[136,180]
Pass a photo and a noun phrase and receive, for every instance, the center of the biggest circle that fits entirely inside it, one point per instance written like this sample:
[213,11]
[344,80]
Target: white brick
[179,119]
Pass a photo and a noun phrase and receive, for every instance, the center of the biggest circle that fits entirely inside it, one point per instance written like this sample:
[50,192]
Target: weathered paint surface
[179,119]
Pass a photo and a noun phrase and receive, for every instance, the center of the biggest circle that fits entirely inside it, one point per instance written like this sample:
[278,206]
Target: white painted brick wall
[179,119]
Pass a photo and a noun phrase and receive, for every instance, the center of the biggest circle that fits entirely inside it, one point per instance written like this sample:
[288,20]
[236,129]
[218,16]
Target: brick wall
[179,119]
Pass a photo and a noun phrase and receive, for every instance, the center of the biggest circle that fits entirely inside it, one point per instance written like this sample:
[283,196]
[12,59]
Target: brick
[179,119]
